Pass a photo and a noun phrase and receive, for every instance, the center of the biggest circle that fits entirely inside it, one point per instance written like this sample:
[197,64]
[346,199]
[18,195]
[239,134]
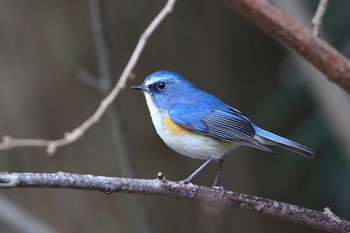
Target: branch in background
[102,44]
[325,220]
[317,20]
[104,84]
[333,102]
[20,220]
[281,27]
[75,134]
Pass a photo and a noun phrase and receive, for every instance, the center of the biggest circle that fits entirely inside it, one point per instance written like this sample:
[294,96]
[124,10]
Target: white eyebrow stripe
[152,81]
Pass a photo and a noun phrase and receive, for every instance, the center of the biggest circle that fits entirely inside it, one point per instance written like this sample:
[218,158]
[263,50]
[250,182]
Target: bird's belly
[197,146]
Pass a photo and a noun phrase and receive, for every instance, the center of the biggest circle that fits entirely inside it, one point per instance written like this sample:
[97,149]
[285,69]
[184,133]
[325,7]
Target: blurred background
[46,45]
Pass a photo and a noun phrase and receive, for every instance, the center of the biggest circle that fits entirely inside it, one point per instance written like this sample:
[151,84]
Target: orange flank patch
[174,128]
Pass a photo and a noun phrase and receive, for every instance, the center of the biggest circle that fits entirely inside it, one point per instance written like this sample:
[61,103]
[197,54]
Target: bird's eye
[161,85]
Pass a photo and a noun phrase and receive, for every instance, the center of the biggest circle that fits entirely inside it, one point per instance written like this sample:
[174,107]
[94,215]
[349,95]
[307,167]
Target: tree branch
[138,208]
[317,20]
[75,134]
[325,220]
[281,27]
[102,44]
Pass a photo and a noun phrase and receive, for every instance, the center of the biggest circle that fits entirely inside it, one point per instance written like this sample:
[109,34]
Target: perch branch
[75,134]
[325,220]
[281,27]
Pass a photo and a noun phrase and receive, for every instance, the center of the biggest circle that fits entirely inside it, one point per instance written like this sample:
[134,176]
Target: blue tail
[273,139]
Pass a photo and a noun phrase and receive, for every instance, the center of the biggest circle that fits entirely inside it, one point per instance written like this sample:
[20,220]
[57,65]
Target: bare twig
[104,84]
[325,220]
[281,27]
[75,134]
[317,20]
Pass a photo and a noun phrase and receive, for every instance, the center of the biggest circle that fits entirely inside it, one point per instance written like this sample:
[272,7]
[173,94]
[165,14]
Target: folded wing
[222,122]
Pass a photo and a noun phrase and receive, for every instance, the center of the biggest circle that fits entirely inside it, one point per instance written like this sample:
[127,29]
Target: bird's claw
[187,182]
[184,182]
[221,188]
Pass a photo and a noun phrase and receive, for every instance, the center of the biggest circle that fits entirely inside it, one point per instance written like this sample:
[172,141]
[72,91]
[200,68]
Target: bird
[196,124]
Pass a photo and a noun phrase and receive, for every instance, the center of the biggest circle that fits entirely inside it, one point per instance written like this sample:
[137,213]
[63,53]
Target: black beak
[141,87]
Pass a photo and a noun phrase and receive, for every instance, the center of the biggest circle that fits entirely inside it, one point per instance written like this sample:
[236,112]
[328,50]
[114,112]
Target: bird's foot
[184,182]
[187,182]
[221,188]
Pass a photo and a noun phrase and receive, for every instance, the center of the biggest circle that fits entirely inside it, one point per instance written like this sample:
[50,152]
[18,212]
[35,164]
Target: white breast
[196,146]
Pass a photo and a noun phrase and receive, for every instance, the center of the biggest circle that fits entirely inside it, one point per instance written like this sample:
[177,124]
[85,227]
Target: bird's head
[162,87]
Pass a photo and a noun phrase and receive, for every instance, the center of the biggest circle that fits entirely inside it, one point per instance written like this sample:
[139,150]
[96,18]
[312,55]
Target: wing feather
[225,123]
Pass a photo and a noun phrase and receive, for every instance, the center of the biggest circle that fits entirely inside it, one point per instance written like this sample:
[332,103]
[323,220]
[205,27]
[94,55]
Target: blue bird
[196,124]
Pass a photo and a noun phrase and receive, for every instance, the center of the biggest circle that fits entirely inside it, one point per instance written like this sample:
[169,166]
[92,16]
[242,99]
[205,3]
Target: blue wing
[216,119]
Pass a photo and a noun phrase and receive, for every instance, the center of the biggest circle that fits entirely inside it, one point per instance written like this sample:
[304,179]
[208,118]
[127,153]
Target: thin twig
[281,27]
[317,20]
[75,134]
[325,220]
[104,58]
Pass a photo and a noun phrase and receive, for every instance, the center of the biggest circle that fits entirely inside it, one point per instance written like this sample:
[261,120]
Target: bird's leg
[188,179]
[218,172]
